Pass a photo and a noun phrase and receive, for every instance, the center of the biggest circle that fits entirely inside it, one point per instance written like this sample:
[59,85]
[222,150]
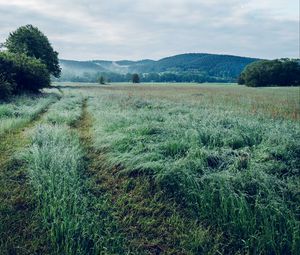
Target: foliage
[27,63]
[101,80]
[6,87]
[29,40]
[279,72]
[20,72]
[135,78]
[7,76]
[145,77]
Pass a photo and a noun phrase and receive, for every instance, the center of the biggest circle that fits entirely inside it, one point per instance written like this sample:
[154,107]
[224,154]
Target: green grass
[18,231]
[45,191]
[75,221]
[238,173]
[22,110]
[152,169]
[275,102]
[66,111]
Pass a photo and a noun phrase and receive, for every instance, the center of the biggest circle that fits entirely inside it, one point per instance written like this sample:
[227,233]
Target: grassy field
[151,169]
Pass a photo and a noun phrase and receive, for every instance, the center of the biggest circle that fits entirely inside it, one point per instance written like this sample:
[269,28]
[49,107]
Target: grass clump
[152,223]
[76,222]
[18,232]
[21,110]
[66,111]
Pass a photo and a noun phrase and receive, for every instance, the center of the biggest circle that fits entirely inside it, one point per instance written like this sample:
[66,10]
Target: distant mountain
[205,67]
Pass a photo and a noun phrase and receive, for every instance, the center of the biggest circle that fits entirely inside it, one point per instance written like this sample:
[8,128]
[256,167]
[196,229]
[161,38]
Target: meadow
[151,169]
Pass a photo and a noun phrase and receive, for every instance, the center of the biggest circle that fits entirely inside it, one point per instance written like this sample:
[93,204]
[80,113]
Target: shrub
[20,72]
[7,83]
[6,87]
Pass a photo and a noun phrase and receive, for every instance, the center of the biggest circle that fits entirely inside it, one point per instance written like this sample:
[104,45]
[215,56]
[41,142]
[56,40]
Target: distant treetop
[135,78]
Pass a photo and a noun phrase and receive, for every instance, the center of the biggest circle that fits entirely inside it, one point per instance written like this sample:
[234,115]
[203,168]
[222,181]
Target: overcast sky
[127,29]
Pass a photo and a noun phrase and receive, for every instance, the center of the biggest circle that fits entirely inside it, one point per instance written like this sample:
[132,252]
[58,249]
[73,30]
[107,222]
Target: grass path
[74,220]
[17,230]
[84,128]
[152,223]
[29,221]
[108,221]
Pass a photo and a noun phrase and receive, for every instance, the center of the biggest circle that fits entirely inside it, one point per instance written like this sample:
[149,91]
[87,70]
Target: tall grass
[66,111]
[236,172]
[275,102]
[21,110]
[225,162]
[77,222]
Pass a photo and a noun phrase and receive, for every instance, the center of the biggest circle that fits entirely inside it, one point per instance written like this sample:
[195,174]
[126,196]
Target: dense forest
[181,68]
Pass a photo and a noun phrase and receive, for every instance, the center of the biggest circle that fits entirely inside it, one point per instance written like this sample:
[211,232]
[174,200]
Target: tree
[101,80]
[135,78]
[18,72]
[31,41]
[241,79]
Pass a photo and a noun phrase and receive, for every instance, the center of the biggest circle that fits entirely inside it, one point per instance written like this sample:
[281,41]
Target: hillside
[185,67]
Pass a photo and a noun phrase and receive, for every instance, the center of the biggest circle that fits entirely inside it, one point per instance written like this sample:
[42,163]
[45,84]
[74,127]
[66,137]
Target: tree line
[27,62]
[135,78]
[144,77]
[278,72]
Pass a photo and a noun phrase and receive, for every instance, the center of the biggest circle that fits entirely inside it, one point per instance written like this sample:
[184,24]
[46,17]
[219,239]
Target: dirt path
[17,230]
[96,160]
[105,181]
[135,208]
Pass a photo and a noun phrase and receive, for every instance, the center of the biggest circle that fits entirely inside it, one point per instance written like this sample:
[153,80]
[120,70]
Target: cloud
[123,29]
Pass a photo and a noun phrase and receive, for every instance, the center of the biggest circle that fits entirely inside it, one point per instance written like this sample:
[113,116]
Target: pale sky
[127,29]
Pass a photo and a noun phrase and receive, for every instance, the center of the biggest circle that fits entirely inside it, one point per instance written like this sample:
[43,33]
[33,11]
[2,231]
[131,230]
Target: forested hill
[199,67]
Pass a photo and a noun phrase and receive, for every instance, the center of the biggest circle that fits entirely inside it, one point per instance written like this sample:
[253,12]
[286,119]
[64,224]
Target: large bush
[31,41]
[19,72]
[7,81]
[279,72]
[6,88]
